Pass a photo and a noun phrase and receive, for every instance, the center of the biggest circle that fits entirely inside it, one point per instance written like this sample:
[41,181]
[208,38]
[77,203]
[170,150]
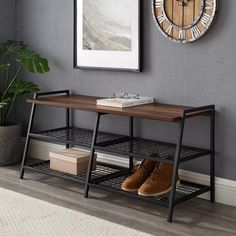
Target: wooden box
[72,161]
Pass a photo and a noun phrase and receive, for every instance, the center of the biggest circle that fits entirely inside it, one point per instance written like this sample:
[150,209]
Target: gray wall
[7,22]
[195,74]
[7,19]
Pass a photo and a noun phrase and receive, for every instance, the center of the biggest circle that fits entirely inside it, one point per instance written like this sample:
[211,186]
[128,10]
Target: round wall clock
[184,20]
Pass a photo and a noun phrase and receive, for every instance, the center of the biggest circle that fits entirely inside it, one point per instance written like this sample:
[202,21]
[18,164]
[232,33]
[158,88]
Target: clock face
[184,20]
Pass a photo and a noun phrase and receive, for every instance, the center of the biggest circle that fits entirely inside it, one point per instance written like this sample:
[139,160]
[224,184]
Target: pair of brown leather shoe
[150,178]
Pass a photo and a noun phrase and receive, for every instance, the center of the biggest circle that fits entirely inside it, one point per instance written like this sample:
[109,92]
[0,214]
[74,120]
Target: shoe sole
[129,190]
[158,194]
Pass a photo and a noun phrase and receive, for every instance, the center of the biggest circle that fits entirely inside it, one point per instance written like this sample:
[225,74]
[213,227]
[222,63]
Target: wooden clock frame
[196,33]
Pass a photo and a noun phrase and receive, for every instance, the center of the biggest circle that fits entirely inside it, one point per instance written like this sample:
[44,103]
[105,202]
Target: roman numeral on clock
[209,4]
[205,20]
[161,18]
[169,29]
[196,32]
[182,34]
[158,3]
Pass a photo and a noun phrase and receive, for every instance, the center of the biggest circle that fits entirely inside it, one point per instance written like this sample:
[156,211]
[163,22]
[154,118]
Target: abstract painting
[106,29]
[107,34]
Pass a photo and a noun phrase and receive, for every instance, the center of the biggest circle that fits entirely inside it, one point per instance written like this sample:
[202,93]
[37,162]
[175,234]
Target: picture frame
[105,39]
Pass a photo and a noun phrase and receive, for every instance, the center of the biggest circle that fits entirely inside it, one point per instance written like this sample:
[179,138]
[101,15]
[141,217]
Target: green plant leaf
[14,56]
[8,99]
[11,47]
[29,59]
[22,87]
[4,66]
[3,104]
[33,62]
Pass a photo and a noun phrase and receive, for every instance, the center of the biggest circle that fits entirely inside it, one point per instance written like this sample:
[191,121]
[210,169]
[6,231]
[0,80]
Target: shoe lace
[156,171]
[137,167]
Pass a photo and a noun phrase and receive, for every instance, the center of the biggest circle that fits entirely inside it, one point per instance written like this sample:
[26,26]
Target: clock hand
[182,2]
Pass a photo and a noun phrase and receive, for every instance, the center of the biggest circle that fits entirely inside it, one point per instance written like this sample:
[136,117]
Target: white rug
[21,215]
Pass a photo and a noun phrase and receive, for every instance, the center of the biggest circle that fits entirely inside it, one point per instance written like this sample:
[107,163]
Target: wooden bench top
[156,111]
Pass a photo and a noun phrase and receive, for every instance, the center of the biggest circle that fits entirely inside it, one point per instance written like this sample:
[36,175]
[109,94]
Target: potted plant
[14,57]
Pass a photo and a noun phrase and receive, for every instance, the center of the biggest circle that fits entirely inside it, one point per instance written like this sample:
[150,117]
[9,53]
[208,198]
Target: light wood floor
[195,217]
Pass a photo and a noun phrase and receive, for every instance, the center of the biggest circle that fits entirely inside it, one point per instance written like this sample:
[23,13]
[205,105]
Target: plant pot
[10,144]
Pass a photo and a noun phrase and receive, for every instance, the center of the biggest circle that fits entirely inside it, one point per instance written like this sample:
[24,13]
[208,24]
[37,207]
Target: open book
[125,101]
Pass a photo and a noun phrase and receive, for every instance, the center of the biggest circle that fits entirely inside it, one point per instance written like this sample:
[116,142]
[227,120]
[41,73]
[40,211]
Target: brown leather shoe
[159,182]
[140,174]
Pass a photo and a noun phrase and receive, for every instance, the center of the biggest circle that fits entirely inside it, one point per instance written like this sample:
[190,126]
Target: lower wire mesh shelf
[184,192]
[111,177]
[102,170]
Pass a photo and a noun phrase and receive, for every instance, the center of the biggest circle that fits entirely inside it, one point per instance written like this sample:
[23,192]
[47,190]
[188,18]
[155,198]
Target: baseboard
[225,189]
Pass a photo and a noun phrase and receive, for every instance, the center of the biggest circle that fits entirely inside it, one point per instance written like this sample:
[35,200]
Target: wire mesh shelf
[184,191]
[102,170]
[73,135]
[149,149]
[111,178]
[115,143]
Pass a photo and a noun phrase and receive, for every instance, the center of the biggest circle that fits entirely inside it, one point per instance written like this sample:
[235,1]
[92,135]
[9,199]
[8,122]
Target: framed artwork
[107,34]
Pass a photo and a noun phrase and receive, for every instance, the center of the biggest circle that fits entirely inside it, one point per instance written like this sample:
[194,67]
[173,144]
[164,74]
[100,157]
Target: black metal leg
[131,134]
[27,140]
[68,125]
[175,172]
[95,132]
[212,157]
